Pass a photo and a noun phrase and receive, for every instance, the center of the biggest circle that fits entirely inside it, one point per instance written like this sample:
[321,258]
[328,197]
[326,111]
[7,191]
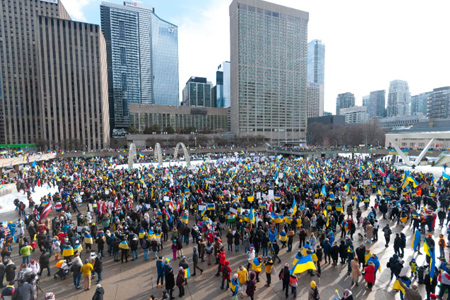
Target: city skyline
[366,39]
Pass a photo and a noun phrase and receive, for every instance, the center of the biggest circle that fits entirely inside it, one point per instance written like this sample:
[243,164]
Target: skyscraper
[344,100]
[142,58]
[399,99]
[438,105]
[316,62]
[314,95]
[268,70]
[419,104]
[222,88]
[53,78]
[376,104]
[197,92]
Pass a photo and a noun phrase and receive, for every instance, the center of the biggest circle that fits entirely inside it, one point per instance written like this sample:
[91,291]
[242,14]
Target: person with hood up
[392,264]
[285,277]
[76,269]
[160,270]
[181,281]
[268,264]
[234,286]
[347,295]
[195,261]
[226,275]
[99,292]
[170,281]
[313,292]
[251,286]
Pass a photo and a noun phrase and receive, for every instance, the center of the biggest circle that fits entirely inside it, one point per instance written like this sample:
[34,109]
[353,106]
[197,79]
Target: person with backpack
[285,277]
[313,292]
[293,282]
[226,275]
[209,251]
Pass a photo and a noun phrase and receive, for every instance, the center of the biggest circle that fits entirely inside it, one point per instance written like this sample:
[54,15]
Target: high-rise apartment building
[268,70]
[344,100]
[316,62]
[53,78]
[314,95]
[197,92]
[365,100]
[376,104]
[438,105]
[222,89]
[399,99]
[419,104]
[142,58]
[355,114]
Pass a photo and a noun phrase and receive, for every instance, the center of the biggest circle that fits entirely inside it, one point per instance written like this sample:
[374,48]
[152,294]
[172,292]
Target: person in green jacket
[25,252]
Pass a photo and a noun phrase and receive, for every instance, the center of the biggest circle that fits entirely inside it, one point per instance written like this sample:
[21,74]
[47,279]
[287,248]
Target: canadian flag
[45,212]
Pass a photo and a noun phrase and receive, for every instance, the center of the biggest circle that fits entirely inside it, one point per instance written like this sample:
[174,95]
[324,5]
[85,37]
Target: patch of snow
[7,201]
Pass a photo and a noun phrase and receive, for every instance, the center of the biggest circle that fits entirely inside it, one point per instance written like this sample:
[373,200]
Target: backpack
[209,250]
[316,295]
[225,271]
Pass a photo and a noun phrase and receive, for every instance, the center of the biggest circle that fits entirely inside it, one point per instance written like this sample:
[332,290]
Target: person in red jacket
[226,274]
[221,257]
[369,275]
[181,281]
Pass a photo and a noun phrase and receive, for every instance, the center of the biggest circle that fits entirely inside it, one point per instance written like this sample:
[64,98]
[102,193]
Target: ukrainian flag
[347,188]
[297,258]
[303,264]
[211,206]
[294,207]
[445,176]
[187,273]
[88,238]
[277,197]
[416,239]
[339,208]
[251,198]
[379,192]
[234,285]
[202,213]
[124,245]
[167,259]
[67,251]
[275,218]
[141,233]
[256,265]
[141,155]
[251,216]
[367,255]
[323,192]
[185,219]
[19,152]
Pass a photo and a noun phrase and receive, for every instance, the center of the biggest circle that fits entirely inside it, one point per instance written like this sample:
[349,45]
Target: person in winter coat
[327,250]
[160,270]
[313,292]
[334,253]
[397,243]
[268,264]
[76,269]
[170,282]
[369,275]
[184,264]
[347,295]
[44,261]
[393,261]
[242,274]
[284,276]
[195,261]
[251,285]
[237,240]
[430,285]
[2,273]
[99,292]
[230,238]
[226,275]
[134,246]
[411,293]
[10,270]
[181,281]
[356,272]
[174,249]
[369,232]
[343,252]
[98,267]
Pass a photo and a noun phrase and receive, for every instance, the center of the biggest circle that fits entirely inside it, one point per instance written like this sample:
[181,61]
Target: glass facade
[197,92]
[272,55]
[316,62]
[399,99]
[165,62]
[142,59]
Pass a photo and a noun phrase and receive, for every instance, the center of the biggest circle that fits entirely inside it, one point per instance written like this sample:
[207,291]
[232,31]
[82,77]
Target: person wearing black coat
[393,262]
[430,286]
[285,276]
[99,292]
[2,273]
[10,271]
[170,282]
[397,244]
[237,240]
[361,253]
[343,252]
[230,240]
[44,262]
[334,253]
[98,268]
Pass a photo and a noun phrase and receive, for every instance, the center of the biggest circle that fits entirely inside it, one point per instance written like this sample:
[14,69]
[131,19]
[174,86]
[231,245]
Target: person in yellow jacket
[86,270]
[124,247]
[268,264]
[242,276]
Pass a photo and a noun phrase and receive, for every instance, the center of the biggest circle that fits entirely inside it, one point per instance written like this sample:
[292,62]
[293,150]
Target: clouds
[77,8]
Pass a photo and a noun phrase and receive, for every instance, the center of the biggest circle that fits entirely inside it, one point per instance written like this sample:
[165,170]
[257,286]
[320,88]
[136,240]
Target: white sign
[131,3]
[366,182]
[271,195]
[233,210]
[166,199]
[258,180]
[201,207]
[50,1]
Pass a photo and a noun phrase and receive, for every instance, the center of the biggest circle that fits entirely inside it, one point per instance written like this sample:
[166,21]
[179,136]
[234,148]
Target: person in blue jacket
[160,268]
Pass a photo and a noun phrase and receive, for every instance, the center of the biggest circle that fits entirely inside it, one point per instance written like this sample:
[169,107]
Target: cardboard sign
[232,210]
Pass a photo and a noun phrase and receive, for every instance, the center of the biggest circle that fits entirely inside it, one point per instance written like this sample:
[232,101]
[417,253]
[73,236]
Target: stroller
[64,269]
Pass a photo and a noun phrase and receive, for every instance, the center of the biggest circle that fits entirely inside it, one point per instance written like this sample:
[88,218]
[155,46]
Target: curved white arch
[131,155]
[157,154]
[186,153]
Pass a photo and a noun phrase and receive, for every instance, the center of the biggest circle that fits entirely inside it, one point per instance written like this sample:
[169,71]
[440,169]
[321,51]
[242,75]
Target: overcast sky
[367,43]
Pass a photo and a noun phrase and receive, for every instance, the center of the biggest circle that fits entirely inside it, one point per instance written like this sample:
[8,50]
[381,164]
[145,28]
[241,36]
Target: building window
[124,82]
[123,56]
[122,30]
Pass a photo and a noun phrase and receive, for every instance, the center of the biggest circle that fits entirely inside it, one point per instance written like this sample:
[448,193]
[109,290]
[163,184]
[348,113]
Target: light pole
[378,142]
[335,142]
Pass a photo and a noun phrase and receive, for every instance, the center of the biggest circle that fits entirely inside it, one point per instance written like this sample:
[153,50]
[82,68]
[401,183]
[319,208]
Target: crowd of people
[251,204]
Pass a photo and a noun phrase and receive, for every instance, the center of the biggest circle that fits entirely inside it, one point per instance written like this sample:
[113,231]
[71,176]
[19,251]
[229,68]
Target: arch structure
[131,155]
[158,155]
[186,153]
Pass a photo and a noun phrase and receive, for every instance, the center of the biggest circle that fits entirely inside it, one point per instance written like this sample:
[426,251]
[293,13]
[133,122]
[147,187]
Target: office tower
[355,114]
[268,70]
[314,95]
[344,100]
[142,58]
[222,89]
[53,78]
[376,104]
[316,62]
[438,103]
[365,100]
[419,104]
[74,84]
[197,92]
[19,98]
[399,99]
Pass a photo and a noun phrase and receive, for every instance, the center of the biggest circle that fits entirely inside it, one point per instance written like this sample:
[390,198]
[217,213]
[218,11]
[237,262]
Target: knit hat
[313,284]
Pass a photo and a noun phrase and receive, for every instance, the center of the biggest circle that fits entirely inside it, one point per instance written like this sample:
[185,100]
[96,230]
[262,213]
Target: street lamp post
[335,142]
[378,142]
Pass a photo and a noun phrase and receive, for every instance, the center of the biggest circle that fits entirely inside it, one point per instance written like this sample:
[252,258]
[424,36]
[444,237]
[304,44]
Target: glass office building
[142,59]
[268,70]
[316,62]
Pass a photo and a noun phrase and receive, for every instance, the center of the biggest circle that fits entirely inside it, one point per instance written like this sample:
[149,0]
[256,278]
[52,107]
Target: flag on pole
[47,209]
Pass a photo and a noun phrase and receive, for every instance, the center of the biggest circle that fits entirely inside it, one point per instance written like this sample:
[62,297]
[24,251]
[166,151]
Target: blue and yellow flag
[297,258]
[323,192]
[294,207]
[251,216]
[251,198]
[303,264]
[141,155]
[416,240]
[445,176]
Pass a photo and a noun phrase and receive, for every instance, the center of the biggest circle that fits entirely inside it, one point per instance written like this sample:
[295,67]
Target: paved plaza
[137,279]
